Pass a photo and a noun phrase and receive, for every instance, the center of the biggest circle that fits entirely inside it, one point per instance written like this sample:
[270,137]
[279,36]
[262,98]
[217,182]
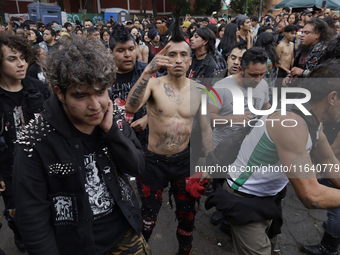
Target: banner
[73,17]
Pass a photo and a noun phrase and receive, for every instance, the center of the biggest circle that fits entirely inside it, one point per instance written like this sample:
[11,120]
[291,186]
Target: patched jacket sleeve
[33,208]
[125,148]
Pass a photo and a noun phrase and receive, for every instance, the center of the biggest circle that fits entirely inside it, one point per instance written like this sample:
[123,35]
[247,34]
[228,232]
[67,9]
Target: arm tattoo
[169,91]
[310,204]
[153,63]
[134,99]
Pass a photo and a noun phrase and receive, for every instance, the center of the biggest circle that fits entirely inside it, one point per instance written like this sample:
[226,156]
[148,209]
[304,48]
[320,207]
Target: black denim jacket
[49,167]
[35,93]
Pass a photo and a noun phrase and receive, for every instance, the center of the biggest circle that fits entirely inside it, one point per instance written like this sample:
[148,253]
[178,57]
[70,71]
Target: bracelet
[305,73]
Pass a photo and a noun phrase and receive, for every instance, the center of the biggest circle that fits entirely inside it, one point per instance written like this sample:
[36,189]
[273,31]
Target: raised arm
[141,92]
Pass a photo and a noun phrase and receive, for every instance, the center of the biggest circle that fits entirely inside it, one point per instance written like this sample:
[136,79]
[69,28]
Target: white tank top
[257,167]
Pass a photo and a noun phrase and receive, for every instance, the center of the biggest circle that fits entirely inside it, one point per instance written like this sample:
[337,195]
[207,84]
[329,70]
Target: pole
[98,6]
[17,6]
[245,11]
[260,11]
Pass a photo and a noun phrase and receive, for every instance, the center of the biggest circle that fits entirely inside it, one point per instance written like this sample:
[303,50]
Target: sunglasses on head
[159,23]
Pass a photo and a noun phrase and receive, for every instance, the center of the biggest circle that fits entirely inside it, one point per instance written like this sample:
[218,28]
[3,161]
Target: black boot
[17,238]
[216,217]
[225,227]
[184,251]
[18,242]
[328,246]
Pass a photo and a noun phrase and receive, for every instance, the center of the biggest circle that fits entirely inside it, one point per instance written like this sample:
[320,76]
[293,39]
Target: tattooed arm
[291,147]
[140,92]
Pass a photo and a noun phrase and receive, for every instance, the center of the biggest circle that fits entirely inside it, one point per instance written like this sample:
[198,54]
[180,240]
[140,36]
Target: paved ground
[300,226]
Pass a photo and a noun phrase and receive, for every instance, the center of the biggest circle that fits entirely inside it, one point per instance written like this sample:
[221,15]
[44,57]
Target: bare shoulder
[280,45]
[288,130]
[197,87]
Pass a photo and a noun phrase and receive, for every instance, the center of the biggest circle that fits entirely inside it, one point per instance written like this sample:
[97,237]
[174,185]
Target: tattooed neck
[169,91]
[170,77]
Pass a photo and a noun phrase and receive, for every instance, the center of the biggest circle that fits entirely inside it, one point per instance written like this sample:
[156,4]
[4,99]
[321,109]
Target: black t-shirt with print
[109,223]
[123,85]
[18,117]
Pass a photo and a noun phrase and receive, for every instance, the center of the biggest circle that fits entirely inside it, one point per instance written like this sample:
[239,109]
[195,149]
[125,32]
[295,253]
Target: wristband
[305,73]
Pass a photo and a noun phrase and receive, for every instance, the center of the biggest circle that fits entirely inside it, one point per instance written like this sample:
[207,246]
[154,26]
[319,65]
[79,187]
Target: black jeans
[159,171]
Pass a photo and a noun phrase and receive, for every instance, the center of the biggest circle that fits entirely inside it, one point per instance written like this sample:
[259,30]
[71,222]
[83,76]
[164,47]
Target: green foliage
[201,7]
[217,6]
[2,14]
[239,6]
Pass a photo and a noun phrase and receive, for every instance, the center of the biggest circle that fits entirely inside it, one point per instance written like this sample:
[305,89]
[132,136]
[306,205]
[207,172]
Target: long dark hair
[228,41]
[266,42]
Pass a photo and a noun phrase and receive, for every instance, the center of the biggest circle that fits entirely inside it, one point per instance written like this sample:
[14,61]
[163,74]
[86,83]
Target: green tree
[2,14]
[239,6]
[182,5]
[215,7]
[201,6]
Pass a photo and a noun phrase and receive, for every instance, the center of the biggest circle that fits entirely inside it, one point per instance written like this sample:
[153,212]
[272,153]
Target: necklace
[201,55]
[155,46]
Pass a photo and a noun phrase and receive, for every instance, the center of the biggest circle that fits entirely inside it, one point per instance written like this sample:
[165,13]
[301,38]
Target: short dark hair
[53,33]
[325,80]
[92,29]
[88,20]
[207,34]
[254,55]
[290,28]
[240,46]
[286,9]
[321,27]
[254,18]
[120,34]
[15,42]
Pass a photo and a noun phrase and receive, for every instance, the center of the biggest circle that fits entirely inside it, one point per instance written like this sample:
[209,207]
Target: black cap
[306,12]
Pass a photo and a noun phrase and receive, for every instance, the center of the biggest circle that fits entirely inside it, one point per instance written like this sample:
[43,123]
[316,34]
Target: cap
[240,19]
[306,12]
[212,21]
[186,24]
[99,23]
[128,21]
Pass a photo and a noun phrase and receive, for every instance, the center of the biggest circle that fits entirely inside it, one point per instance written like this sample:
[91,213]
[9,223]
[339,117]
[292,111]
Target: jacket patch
[65,209]
[61,169]
[126,190]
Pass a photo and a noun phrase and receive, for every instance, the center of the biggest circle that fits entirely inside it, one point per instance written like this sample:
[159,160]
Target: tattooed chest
[174,135]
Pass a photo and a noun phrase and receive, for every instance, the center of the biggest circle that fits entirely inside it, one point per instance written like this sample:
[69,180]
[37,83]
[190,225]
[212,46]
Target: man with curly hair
[21,98]
[71,191]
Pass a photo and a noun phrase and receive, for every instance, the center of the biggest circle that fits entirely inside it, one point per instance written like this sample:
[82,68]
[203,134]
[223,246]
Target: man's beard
[304,47]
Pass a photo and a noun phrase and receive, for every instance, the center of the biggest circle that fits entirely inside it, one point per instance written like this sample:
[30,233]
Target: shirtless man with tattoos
[172,102]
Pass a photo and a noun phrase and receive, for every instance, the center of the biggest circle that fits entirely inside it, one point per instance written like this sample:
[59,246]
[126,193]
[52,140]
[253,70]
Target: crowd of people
[85,105]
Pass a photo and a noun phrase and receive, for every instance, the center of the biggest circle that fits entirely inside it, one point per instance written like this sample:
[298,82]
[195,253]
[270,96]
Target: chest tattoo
[169,91]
